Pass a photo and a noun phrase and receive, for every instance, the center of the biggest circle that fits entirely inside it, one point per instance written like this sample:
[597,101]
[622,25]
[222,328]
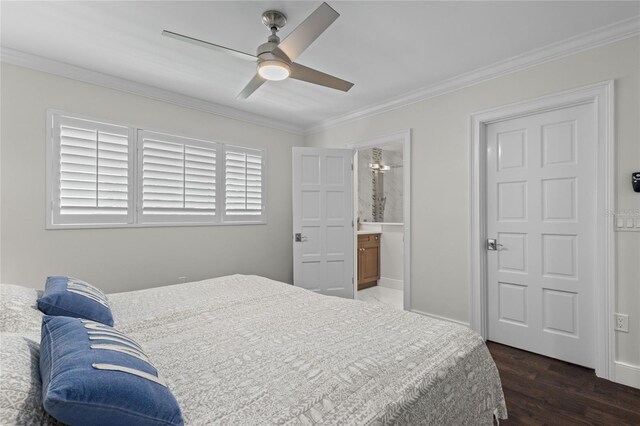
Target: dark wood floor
[545,391]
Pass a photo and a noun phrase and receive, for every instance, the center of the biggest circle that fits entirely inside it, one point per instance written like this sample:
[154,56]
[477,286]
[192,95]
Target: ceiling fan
[275,58]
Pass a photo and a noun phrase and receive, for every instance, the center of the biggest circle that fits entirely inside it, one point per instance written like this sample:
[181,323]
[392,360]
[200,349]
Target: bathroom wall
[392,257]
[392,185]
[365,186]
[393,180]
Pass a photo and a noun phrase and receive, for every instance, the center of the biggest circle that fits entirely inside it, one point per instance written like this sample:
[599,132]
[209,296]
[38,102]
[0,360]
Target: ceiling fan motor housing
[266,47]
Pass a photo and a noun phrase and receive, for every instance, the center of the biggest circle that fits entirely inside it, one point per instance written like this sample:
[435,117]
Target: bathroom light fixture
[273,70]
[376,167]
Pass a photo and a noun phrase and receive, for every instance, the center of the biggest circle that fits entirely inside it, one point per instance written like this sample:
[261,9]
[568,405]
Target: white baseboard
[391,283]
[466,324]
[627,374]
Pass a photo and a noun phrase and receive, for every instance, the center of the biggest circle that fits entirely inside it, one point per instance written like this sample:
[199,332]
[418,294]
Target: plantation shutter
[91,172]
[107,175]
[244,184]
[177,179]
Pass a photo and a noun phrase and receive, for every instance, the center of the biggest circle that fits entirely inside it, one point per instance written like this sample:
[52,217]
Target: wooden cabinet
[368,260]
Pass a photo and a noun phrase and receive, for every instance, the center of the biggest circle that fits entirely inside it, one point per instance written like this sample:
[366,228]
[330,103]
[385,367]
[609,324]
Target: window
[178,179]
[91,162]
[109,175]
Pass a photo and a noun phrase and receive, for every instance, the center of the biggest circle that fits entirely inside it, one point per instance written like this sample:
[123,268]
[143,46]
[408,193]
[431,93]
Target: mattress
[246,350]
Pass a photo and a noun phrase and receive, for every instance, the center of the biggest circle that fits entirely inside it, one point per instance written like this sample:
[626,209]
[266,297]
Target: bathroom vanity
[368,259]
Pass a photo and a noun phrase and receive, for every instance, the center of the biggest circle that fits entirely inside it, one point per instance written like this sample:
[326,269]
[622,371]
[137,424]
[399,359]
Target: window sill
[149,225]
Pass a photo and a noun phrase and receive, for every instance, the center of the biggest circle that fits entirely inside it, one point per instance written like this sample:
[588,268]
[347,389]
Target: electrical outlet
[622,322]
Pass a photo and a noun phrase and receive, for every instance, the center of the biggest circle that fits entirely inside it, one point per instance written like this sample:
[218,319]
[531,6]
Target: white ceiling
[387,48]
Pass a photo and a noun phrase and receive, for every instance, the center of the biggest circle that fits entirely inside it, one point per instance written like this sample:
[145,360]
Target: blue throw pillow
[92,374]
[71,297]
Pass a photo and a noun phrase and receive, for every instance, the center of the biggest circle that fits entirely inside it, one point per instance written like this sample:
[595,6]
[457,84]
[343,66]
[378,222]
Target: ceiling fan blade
[300,72]
[251,87]
[307,32]
[198,42]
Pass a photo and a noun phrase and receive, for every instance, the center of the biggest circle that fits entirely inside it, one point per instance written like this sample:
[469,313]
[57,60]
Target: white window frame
[134,216]
[236,219]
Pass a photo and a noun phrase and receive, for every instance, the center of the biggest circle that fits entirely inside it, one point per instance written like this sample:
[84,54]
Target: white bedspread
[245,350]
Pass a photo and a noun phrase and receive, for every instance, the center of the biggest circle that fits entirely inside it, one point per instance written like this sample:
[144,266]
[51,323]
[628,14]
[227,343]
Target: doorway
[541,254]
[381,207]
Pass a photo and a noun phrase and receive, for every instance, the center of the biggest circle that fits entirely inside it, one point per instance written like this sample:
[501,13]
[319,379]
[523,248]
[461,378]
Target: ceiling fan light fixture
[273,70]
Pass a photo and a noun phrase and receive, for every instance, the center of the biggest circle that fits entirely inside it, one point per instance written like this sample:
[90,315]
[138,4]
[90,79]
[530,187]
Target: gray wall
[440,237]
[128,259]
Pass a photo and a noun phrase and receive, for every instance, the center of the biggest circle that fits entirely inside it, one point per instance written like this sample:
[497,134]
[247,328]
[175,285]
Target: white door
[541,209]
[323,220]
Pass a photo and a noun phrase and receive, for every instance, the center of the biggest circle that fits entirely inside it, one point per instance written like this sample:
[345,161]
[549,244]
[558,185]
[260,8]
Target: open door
[323,236]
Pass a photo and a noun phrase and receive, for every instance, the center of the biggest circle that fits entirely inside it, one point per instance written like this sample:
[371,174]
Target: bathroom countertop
[368,232]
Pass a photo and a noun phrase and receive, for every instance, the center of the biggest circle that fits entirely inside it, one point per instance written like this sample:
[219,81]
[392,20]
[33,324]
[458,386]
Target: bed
[246,350]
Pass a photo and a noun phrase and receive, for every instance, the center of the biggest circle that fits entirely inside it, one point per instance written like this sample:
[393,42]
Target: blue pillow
[92,374]
[71,297]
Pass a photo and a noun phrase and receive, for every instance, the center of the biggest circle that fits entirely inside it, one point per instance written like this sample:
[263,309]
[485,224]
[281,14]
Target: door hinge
[351,280]
[352,223]
[351,166]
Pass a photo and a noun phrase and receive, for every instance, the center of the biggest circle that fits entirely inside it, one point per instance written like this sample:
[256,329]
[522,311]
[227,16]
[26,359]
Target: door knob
[492,244]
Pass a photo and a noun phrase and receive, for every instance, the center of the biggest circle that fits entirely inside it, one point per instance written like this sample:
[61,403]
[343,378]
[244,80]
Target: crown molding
[39,63]
[605,35]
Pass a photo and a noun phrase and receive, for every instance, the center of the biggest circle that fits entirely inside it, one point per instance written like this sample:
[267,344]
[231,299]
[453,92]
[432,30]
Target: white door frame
[601,95]
[403,137]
